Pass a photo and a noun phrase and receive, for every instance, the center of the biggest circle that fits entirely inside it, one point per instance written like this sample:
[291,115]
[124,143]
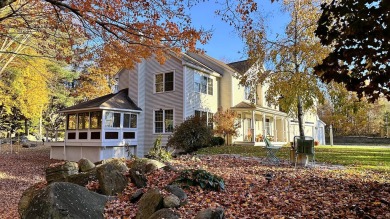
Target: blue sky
[225,44]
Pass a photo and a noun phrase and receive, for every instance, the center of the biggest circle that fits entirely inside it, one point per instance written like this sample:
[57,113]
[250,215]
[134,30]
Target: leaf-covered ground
[18,171]
[292,193]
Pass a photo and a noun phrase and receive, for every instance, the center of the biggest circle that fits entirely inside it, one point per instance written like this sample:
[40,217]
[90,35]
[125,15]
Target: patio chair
[271,151]
[304,146]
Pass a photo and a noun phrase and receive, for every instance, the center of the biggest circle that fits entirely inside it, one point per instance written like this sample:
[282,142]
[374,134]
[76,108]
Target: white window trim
[174,81]
[154,121]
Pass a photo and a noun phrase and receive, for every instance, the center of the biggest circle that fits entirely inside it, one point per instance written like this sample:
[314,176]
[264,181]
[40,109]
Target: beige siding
[199,101]
[225,91]
[238,92]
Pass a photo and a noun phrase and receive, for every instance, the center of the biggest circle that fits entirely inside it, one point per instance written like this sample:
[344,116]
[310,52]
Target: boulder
[145,166]
[171,201]
[164,213]
[28,195]
[85,165]
[150,202]
[136,196]
[111,176]
[138,178]
[62,200]
[211,213]
[177,191]
[83,178]
[59,173]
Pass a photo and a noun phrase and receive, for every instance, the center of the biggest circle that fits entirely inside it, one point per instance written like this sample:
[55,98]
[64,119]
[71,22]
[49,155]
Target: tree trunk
[300,118]
[26,127]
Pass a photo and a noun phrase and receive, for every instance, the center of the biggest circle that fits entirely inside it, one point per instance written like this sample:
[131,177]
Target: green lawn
[358,157]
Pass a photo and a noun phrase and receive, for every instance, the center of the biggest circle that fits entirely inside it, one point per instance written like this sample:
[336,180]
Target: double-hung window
[164,82]
[203,84]
[163,121]
[207,115]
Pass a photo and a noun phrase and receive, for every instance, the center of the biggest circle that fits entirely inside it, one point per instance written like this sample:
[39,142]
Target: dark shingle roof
[119,100]
[211,63]
[241,66]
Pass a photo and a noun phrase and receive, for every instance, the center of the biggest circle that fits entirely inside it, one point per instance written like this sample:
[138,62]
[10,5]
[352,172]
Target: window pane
[159,86]
[210,120]
[197,113]
[126,121]
[169,81]
[133,123]
[83,120]
[169,86]
[196,82]
[128,135]
[204,85]
[96,120]
[168,120]
[111,135]
[210,86]
[117,120]
[71,121]
[158,121]
[158,127]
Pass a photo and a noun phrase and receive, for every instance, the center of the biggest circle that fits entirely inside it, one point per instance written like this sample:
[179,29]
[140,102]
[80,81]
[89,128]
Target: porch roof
[117,101]
[245,106]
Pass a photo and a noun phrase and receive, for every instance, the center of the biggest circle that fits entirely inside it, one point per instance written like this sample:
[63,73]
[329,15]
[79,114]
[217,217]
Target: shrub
[191,135]
[158,152]
[202,178]
[217,141]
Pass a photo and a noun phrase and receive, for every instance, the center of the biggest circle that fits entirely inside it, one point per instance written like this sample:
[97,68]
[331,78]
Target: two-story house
[152,98]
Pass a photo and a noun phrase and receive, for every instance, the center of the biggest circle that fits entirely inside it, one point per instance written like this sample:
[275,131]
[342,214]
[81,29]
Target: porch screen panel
[96,120]
[126,120]
[71,121]
[83,120]
[133,121]
[113,119]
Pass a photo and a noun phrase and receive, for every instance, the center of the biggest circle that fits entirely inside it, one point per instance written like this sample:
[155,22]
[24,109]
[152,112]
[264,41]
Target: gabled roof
[119,100]
[211,63]
[241,66]
[244,105]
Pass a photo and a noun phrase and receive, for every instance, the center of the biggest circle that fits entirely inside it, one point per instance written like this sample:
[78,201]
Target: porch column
[253,127]
[275,131]
[264,131]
